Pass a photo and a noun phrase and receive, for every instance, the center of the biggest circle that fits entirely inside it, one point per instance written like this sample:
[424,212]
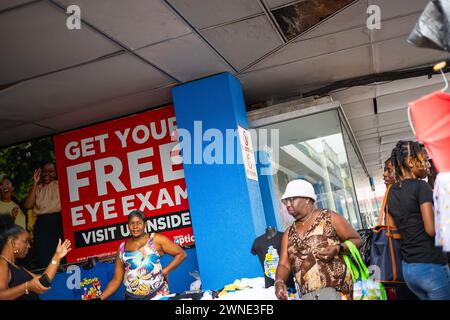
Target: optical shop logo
[184,240]
[214,147]
[73,22]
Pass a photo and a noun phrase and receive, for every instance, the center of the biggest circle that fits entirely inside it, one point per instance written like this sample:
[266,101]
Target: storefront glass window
[312,148]
[368,203]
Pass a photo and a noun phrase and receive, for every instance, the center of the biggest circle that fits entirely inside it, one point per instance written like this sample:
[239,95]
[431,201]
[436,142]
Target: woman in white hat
[311,247]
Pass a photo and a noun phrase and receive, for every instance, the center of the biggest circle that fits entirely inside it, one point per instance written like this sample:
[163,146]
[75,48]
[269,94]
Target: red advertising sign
[107,170]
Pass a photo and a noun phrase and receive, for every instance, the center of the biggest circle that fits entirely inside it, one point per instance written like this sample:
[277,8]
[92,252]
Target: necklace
[310,215]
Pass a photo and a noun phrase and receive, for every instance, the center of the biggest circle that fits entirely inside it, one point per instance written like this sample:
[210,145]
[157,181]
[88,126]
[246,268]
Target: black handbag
[385,247]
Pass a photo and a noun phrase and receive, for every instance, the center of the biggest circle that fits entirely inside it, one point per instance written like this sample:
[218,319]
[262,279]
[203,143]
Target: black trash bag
[366,239]
[432,30]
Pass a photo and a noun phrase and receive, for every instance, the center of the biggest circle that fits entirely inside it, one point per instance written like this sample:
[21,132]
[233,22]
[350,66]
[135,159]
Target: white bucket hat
[299,188]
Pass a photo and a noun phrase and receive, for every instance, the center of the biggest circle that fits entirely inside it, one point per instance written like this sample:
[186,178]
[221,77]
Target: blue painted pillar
[271,202]
[226,208]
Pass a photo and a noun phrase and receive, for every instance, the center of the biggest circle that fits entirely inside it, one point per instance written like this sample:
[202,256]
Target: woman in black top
[410,202]
[17,283]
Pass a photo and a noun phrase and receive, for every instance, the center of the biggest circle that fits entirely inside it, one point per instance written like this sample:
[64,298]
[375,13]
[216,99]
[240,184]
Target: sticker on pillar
[248,154]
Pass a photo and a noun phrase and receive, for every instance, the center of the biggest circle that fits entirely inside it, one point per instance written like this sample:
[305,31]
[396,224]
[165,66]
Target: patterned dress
[143,277]
[310,272]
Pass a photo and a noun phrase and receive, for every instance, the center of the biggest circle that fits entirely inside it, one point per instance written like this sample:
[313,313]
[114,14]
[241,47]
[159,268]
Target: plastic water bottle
[271,262]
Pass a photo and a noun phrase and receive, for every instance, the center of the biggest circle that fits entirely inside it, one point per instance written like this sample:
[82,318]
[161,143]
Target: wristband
[26,288]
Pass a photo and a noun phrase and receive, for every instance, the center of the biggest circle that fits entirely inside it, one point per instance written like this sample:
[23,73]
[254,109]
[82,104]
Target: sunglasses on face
[289,200]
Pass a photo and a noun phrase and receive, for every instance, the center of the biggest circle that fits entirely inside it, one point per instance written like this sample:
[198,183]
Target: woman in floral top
[138,263]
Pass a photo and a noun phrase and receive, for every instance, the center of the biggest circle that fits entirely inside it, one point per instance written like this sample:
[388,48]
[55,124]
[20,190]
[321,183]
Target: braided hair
[8,229]
[400,153]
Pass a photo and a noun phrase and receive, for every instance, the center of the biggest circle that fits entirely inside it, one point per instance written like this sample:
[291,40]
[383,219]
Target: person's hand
[63,248]
[166,276]
[37,175]
[281,290]
[328,253]
[15,212]
[35,286]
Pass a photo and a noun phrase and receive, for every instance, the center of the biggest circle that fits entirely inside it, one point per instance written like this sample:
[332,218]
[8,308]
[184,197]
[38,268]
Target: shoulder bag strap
[383,206]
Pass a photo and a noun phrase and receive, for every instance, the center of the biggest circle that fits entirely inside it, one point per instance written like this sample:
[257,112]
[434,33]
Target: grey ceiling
[129,54]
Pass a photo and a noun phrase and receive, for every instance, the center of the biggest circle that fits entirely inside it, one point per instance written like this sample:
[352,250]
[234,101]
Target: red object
[107,170]
[431,118]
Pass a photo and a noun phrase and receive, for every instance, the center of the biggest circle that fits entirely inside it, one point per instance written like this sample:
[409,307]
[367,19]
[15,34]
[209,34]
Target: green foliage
[19,162]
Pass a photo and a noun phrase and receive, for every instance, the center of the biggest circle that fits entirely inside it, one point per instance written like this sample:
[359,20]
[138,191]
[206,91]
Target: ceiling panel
[207,13]
[407,84]
[37,41]
[394,28]
[22,133]
[279,3]
[186,58]
[400,100]
[315,47]
[397,8]
[396,128]
[370,143]
[363,123]
[369,134]
[108,109]
[135,23]
[66,91]
[372,158]
[387,148]
[244,42]
[392,117]
[354,94]
[396,54]
[353,16]
[394,138]
[359,109]
[293,78]
[8,123]
[7,4]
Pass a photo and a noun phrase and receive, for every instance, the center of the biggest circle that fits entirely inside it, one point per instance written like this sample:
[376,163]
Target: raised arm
[31,198]
[61,251]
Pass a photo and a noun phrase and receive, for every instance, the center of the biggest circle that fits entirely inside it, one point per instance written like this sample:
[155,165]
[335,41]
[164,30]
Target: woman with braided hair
[410,202]
[17,283]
